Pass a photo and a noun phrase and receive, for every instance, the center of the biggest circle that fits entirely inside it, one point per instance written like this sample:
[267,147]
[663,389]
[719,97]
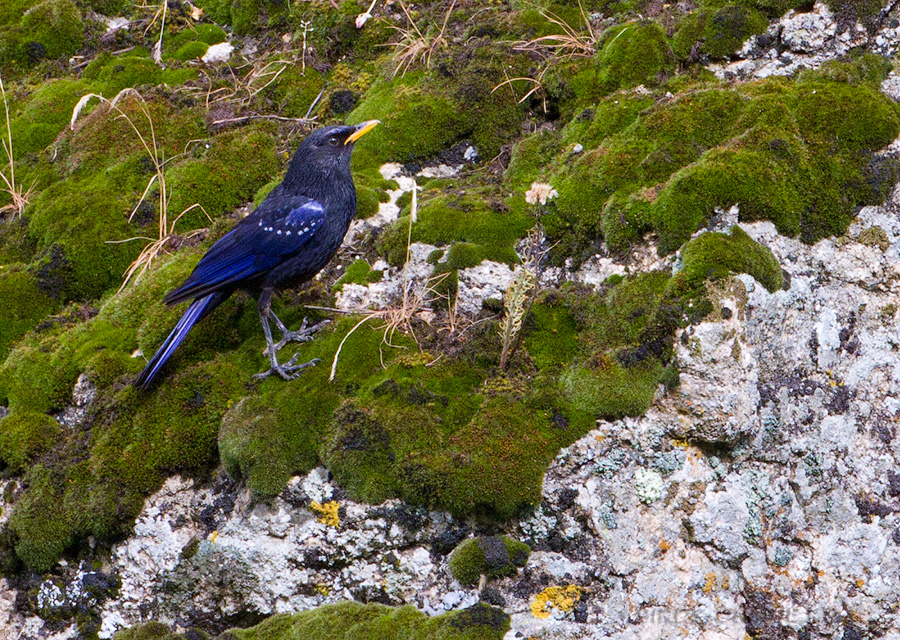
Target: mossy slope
[441,425]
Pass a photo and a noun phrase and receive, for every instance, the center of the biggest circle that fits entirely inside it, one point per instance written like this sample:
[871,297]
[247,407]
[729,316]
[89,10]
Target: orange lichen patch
[561,598]
[664,545]
[327,513]
[710,582]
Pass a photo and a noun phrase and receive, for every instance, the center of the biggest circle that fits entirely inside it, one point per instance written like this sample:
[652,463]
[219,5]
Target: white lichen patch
[648,485]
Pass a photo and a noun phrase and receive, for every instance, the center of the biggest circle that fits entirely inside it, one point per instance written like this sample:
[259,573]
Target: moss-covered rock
[717,33]
[376,621]
[24,436]
[779,149]
[56,26]
[488,228]
[492,556]
[716,255]
[24,305]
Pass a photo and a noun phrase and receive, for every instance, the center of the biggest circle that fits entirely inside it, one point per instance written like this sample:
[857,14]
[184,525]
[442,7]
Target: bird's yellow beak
[361,130]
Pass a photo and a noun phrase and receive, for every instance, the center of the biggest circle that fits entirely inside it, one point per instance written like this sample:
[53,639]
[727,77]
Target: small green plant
[519,296]
[19,197]
[166,229]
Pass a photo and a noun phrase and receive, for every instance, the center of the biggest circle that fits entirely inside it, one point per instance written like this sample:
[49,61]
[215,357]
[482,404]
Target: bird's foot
[288,370]
[303,334]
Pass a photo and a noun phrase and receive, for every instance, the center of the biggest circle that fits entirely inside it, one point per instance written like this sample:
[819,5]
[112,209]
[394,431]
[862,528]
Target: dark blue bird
[286,241]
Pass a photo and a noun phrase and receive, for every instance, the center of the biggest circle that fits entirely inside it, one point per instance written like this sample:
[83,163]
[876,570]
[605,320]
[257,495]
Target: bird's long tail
[198,310]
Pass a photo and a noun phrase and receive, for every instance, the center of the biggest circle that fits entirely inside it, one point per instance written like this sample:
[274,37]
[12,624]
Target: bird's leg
[288,370]
[303,334]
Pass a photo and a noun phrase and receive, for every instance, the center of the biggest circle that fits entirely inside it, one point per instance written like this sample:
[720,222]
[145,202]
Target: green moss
[191,51]
[40,516]
[551,333]
[73,224]
[761,146]
[39,119]
[358,272]
[466,217]
[494,557]
[376,622]
[56,25]
[293,93]
[425,113]
[249,433]
[134,71]
[530,159]
[208,34]
[156,631]
[715,255]
[849,11]
[717,33]
[633,54]
[26,435]
[414,122]
[360,455]
[229,174]
[24,305]
[611,391]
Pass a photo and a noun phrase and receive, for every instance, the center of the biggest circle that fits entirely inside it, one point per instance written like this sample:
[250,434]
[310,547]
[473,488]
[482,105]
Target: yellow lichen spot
[710,582]
[323,589]
[561,598]
[664,545]
[860,583]
[725,583]
[213,536]
[328,513]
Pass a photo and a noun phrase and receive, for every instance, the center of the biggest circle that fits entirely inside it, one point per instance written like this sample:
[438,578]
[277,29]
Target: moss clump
[716,255]
[611,390]
[248,430]
[376,621]
[717,33]
[633,54]
[24,305]
[156,631]
[26,435]
[191,51]
[56,26]
[358,272]
[229,173]
[414,122]
[780,149]
[493,556]
[424,113]
[487,227]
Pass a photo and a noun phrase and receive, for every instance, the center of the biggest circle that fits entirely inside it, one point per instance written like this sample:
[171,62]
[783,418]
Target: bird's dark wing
[275,232]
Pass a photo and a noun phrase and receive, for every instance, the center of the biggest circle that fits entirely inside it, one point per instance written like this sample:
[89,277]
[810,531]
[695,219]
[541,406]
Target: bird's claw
[303,334]
[288,370]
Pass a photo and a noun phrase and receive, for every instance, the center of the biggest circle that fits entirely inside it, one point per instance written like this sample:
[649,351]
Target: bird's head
[330,147]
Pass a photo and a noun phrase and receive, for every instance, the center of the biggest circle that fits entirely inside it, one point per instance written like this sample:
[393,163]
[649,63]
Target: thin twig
[307,121]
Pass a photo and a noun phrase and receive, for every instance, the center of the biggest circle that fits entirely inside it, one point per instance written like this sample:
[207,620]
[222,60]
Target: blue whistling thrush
[286,241]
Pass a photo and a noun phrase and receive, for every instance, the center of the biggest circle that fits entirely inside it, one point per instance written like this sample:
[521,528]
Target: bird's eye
[333,141]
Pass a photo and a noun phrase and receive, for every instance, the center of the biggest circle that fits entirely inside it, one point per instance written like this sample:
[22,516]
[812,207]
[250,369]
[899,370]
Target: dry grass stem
[416,301]
[570,43]
[414,45]
[148,140]
[18,196]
